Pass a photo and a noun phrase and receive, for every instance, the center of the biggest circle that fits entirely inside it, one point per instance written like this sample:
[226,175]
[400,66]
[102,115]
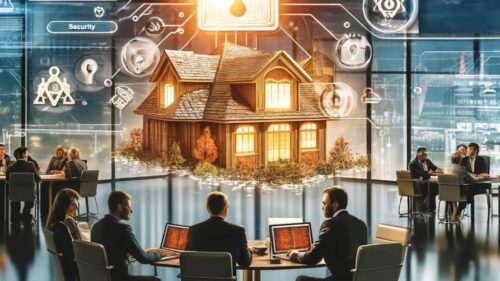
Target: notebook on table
[175,238]
[287,237]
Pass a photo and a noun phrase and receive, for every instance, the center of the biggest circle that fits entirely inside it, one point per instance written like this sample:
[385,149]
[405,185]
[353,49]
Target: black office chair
[88,188]
[206,266]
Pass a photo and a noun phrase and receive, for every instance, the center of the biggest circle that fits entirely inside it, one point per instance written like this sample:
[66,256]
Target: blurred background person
[55,167]
[422,168]
[4,159]
[73,169]
[461,150]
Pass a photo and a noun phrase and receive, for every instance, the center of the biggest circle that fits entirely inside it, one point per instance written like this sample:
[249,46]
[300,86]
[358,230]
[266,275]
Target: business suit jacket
[23,166]
[119,242]
[417,169]
[56,164]
[73,169]
[217,235]
[63,243]
[456,169]
[479,165]
[338,242]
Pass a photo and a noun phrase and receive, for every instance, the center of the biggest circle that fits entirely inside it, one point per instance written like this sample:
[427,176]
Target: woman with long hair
[64,210]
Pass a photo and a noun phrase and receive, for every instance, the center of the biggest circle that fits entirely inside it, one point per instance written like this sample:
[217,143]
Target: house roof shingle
[238,64]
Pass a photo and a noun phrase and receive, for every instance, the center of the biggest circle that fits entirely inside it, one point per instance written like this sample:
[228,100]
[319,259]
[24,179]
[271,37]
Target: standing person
[119,240]
[217,235]
[61,222]
[22,166]
[73,168]
[340,236]
[422,168]
[4,159]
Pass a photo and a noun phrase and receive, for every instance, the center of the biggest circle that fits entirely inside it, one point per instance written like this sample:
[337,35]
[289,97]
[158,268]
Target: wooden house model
[260,107]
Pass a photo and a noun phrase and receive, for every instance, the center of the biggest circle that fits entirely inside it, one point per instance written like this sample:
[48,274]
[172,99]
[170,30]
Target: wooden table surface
[258,262]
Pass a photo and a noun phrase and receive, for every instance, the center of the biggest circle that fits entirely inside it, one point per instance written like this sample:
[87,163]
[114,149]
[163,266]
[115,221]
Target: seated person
[73,168]
[461,150]
[5,161]
[55,167]
[476,165]
[217,235]
[340,236]
[456,169]
[422,168]
[22,166]
[61,222]
[119,240]
[57,162]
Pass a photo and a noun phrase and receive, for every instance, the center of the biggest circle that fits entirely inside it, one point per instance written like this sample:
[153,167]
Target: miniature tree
[205,148]
[133,145]
[340,158]
[175,155]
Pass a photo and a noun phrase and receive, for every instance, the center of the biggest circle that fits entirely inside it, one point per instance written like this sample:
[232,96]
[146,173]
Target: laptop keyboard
[166,254]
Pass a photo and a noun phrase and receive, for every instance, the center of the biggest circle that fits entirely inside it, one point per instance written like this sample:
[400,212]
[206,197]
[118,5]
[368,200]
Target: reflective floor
[438,251]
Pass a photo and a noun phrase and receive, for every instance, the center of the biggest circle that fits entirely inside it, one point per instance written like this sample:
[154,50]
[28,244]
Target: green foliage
[205,169]
[175,156]
[133,149]
[282,172]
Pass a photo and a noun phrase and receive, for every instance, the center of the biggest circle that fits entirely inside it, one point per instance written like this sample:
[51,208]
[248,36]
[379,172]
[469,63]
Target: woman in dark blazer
[61,222]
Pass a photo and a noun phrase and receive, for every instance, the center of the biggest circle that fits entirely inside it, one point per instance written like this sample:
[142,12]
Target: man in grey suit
[340,236]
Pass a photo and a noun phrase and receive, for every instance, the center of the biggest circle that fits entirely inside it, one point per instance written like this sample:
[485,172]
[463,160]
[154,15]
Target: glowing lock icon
[238,15]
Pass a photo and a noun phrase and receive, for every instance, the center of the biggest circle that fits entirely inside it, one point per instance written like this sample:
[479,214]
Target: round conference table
[252,273]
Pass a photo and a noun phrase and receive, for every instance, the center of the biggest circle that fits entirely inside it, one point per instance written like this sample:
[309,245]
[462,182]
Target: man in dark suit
[22,166]
[476,165]
[73,169]
[422,168]
[119,240]
[340,236]
[217,235]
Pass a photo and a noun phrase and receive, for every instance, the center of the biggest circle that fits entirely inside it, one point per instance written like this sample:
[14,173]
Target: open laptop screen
[175,237]
[286,237]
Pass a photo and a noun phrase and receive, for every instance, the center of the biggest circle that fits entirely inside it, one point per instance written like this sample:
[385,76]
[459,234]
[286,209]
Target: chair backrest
[206,266]
[449,187]
[22,187]
[406,186]
[487,162]
[92,261]
[88,183]
[378,262]
[392,234]
[55,256]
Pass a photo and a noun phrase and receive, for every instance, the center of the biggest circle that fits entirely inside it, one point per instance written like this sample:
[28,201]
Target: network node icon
[238,15]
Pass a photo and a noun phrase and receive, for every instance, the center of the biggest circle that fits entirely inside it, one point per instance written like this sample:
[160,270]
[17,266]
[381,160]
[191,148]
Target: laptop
[175,238]
[287,237]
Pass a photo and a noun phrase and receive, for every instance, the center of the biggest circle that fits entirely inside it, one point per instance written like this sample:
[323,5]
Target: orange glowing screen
[292,238]
[176,237]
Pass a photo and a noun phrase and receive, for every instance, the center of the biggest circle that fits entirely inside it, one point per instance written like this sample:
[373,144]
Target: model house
[260,107]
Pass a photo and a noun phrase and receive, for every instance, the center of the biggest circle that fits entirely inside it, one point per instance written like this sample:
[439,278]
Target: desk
[252,273]
[4,212]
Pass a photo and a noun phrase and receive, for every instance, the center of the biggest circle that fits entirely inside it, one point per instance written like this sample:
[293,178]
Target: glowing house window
[278,142]
[245,140]
[169,95]
[308,136]
[278,94]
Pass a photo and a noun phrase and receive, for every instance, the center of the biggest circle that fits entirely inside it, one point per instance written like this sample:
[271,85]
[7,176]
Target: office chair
[206,266]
